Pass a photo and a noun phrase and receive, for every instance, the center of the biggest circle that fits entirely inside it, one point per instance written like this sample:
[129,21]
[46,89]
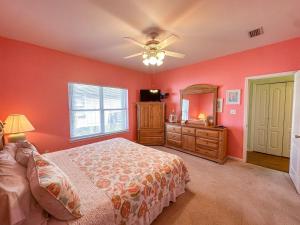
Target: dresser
[151,123]
[206,142]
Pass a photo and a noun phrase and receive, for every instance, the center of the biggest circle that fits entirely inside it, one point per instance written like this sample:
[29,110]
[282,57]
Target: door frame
[246,104]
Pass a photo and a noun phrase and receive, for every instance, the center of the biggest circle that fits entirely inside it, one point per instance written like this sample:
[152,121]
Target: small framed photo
[220,105]
[233,97]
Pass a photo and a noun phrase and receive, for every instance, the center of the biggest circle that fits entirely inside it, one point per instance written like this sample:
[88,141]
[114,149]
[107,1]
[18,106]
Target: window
[185,109]
[96,110]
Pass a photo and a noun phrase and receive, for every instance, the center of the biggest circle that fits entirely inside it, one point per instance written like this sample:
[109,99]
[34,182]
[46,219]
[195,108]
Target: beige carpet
[232,194]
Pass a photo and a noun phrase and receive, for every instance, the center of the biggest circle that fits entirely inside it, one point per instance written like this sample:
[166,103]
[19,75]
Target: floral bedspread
[136,178]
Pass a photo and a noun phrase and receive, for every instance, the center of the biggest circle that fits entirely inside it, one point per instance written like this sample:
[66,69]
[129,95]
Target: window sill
[77,139]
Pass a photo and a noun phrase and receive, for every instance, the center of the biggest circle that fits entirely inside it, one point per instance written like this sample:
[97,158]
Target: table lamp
[202,118]
[16,125]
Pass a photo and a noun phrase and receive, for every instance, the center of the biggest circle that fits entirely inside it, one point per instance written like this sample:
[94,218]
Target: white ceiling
[94,28]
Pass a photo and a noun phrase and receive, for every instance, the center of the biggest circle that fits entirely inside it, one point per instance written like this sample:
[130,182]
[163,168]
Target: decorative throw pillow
[17,205]
[23,152]
[52,188]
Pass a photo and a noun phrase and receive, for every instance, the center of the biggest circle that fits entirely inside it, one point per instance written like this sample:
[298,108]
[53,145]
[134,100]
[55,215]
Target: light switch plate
[232,111]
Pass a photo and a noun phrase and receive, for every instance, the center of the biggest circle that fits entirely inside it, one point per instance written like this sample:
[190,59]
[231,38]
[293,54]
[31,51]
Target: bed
[120,182]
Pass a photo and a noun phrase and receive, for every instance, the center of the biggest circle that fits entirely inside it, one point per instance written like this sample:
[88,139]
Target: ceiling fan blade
[168,41]
[133,55]
[174,54]
[135,42]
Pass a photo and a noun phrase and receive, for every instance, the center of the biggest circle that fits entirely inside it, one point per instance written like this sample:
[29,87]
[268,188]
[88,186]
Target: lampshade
[201,116]
[17,123]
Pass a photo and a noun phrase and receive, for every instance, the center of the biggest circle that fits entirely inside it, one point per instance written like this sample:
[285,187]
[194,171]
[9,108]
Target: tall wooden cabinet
[150,122]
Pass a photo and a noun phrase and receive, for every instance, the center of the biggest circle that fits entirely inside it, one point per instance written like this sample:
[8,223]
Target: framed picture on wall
[233,97]
[220,105]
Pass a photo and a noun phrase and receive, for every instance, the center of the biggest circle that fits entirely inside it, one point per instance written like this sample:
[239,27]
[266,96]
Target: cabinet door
[188,142]
[156,115]
[144,116]
[276,118]
[288,119]
[260,119]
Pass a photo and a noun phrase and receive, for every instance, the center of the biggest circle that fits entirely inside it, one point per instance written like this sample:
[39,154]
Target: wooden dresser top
[198,126]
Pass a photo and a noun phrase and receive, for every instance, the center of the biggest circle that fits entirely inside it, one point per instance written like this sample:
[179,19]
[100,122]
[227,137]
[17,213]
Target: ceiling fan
[154,51]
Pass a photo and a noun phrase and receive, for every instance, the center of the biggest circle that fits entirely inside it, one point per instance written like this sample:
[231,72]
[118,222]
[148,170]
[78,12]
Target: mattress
[121,182]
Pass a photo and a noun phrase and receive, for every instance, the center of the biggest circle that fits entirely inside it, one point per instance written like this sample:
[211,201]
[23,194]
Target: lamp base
[12,138]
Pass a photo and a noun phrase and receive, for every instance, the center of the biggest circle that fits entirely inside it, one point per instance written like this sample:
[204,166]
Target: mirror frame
[201,89]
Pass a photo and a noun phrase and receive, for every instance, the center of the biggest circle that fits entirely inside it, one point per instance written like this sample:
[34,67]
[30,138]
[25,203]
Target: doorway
[270,105]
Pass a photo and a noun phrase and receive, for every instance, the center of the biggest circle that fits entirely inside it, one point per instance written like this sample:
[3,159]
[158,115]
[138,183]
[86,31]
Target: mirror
[198,104]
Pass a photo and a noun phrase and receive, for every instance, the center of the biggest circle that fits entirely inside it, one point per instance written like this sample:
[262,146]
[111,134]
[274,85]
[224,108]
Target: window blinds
[96,110]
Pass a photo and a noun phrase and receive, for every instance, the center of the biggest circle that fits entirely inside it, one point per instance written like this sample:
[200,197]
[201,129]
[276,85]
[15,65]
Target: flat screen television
[152,95]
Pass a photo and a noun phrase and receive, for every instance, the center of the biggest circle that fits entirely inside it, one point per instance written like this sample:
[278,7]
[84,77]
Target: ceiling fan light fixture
[159,62]
[146,62]
[154,50]
[153,57]
[152,60]
[160,55]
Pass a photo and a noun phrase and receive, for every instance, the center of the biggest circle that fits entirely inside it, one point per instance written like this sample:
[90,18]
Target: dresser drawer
[174,143]
[174,136]
[188,130]
[151,140]
[174,129]
[208,143]
[151,133]
[207,133]
[206,152]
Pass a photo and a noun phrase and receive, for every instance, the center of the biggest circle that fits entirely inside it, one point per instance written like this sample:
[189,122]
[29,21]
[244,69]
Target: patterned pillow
[52,188]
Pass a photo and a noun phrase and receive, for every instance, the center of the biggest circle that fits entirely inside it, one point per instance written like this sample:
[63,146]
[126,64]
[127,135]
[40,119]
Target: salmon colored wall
[34,82]
[229,72]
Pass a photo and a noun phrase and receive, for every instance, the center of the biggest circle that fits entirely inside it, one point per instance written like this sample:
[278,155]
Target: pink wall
[34,82]
[229,72]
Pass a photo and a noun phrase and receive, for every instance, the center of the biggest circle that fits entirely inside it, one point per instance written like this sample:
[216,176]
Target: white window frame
[185,109]
[101,113]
